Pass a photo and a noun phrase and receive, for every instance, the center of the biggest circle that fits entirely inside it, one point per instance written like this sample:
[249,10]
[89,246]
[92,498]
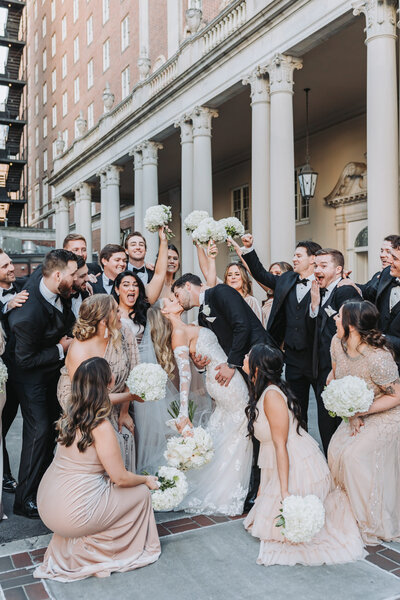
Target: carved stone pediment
[351,186]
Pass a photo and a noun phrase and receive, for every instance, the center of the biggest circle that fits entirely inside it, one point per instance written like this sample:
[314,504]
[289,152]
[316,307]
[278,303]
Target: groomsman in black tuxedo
[11,296]
[38,337]
[136,247]
[113,261]
[326,300]
[287,321]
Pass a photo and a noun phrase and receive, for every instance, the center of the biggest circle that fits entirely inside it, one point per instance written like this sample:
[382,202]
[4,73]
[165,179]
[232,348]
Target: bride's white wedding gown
[221,486]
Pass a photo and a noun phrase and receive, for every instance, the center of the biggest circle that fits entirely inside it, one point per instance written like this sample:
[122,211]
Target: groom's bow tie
[302,281]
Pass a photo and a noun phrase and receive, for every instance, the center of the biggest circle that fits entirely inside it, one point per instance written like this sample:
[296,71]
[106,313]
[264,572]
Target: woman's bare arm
[154,288]
[276,411]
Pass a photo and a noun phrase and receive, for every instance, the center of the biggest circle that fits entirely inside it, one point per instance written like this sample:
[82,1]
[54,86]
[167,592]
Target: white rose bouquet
[190,452]
[347,396]
[301,518]
[158,216]
[3,376]
[208,230]
[173,488]
[233,227]
[194,219]
[148,380]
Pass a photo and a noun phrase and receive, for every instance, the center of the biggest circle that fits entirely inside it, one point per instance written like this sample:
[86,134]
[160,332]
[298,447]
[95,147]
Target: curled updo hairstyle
[141,306]
[363,316]
[90,403]
[161,334]
[247,286]
[93,310]
[265,368]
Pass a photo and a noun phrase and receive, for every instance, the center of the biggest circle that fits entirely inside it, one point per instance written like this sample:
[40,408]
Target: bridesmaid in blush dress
[363,454]
[291,463]
[101,514]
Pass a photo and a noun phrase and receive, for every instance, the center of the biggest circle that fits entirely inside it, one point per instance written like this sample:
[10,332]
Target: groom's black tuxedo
[234,323]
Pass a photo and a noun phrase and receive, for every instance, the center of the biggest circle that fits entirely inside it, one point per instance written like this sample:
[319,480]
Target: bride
[221,486]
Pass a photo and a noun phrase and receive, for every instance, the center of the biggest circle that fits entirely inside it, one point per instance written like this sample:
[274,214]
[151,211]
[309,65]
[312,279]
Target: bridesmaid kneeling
[101,514]
[291,463]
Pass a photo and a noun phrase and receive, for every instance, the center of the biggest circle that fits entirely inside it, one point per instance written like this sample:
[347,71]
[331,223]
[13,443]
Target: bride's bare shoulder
[180,336]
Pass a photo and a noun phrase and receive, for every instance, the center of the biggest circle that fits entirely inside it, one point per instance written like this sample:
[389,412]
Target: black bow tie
[141,270]
[111,282]
[322,292]
[11,290]
[76,295]
[302,281]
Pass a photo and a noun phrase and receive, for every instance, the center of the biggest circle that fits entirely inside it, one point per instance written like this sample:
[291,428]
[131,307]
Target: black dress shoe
[28,509]
[9,483]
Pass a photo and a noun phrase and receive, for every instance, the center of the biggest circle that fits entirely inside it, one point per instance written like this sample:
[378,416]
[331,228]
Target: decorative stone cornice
[280,70]
[259,83]
[201,119]
[351,186]
[186,127]
[380,16]
[112,173]
[150,152]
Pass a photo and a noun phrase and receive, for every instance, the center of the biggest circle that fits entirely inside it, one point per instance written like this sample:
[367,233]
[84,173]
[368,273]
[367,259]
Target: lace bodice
[207,345]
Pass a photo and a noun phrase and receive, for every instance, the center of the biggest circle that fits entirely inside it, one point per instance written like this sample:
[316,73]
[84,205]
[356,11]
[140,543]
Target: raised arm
[258,271]
[276,411]
[154,288]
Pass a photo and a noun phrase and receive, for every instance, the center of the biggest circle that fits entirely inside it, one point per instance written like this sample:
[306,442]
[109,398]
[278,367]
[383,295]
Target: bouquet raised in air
[173,488]
[194,219]
[208,230]
[148,380]
[190,452]
[301,518]
[347,396]
[3,376]
[233,227]
[158,216]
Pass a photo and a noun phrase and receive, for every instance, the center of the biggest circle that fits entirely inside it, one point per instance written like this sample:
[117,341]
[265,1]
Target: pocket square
[211,319]
[330,311]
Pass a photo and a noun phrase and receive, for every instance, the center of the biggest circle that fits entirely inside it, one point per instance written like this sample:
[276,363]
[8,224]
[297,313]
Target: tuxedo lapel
[287,285]
[384,281]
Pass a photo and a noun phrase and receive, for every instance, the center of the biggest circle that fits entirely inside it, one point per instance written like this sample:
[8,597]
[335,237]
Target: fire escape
[12,116]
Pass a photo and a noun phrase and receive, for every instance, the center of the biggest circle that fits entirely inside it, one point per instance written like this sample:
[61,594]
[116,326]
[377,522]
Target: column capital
[112,174]
[259,85]
[201,119]
[280,70]
[61,204]
[150,152]
[186,127]
[136,152]
[76,191]
[103,178]
[380,16]
[85,191]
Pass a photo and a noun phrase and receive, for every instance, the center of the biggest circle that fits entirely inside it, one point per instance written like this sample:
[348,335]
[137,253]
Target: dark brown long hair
[363,316]
[247,286]
[90,403]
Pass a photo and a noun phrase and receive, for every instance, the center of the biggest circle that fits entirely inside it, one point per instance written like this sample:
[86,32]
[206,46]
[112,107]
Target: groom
[238,329]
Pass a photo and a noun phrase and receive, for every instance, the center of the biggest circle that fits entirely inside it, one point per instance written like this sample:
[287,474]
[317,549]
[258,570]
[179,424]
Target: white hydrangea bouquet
[194,219]
[233,227]
[207,230]
[190,452]
[3,376]
[301,518]
[158,216]
[148,381]
[347,396]
[173,488]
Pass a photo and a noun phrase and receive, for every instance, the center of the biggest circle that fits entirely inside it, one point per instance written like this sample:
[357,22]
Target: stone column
[103,208]
[187,249]
[260,162]
[62,220]
[84,226]
[144,47]
[202,173]
[150,190]
[282,192]
[174,24]
[113,209]
[382,123]
[138,190]
[76,191]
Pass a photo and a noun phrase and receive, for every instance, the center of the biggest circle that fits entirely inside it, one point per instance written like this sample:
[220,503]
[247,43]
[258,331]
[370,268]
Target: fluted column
[187,247]
[103,208]
[382,123]
[62,220]
[260,162]
[113,208]
[84,226]
[282,192]
[202,173]
[138,189]
[150,188]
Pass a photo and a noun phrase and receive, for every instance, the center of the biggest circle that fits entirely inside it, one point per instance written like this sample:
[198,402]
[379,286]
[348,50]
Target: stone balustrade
[227,25]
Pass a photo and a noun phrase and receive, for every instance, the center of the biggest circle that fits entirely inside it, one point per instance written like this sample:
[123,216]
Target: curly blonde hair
[93,310]
[161,333]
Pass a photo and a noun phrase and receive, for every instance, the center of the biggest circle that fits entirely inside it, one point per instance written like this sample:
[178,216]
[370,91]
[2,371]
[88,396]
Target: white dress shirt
[76,304]
[54,300]
[394,296]
[143,275]
[303,288]
[5,297]
[329,290]
[106,284]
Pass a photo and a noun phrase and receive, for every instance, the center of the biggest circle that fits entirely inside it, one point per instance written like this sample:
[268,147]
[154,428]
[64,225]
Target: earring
[106,333]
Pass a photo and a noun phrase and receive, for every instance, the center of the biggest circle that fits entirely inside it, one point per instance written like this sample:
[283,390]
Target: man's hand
[150,266]
[347,281]
[18,300]
[247,240]
[315,295]
[93,278]
[224,374]
[200,361]
[66,342]
[89,289]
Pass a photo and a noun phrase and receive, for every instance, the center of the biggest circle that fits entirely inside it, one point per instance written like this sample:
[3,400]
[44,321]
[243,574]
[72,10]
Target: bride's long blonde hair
[161,334]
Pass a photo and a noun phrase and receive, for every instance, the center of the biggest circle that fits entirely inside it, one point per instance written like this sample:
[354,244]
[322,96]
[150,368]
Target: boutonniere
[330,311]
[206,310]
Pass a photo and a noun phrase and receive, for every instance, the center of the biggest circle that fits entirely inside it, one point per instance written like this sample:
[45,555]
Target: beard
[65,289]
